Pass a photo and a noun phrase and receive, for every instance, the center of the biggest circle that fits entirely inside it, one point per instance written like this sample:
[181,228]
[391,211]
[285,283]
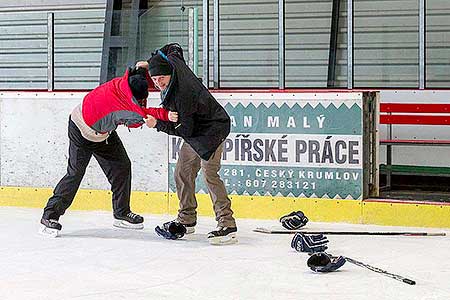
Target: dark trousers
[113,160]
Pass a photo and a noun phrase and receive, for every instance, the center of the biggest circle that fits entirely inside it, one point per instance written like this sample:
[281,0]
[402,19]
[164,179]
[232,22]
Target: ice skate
[223,236]
[129,221]
[49,228]
[190,228]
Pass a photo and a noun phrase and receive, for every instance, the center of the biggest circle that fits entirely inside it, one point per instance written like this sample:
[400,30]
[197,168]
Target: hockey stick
[285,231]
[381,271]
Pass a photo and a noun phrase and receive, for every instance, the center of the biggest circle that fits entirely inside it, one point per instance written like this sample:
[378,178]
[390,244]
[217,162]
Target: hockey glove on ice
[309,243]
[171,230]
[323,262]
[294,220]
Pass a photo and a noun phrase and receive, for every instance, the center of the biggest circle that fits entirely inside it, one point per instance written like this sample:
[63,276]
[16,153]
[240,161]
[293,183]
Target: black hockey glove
[323,262]
[172,230]
[294,220]
[309,243]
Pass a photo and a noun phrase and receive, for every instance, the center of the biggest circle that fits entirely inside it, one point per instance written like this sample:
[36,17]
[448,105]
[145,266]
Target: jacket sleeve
[158,113]
[165,126]
[135,125]
[183,128]
[185,125]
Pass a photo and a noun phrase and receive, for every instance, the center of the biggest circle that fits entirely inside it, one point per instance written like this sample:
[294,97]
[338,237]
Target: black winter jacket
[202,122]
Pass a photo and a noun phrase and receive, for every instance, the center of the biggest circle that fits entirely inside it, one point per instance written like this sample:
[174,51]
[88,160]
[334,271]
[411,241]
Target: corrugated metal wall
[385,41]
[308,28]
[438,44]
[79,26]
[249,39]
[166,22]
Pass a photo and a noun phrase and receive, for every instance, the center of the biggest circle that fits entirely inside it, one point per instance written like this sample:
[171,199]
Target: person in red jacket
[92,132]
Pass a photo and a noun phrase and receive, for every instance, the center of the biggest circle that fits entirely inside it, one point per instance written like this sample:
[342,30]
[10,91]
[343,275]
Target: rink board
[388,212]
[34,155]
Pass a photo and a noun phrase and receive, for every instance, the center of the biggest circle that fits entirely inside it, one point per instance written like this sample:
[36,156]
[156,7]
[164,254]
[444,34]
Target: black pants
[113,160]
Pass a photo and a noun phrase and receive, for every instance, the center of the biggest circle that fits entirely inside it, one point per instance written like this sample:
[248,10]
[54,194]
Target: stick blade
[409,281]
[276,231]
[426,234]
[262,230]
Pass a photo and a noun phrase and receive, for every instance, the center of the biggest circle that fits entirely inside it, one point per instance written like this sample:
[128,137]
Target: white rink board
[33,139]
[34,144]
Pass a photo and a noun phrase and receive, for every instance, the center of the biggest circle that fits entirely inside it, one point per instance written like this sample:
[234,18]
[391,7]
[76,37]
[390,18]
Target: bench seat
[418,114]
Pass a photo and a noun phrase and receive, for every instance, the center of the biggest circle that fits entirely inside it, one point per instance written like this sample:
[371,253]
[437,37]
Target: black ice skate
[129,221]
[49,228]
[223,236]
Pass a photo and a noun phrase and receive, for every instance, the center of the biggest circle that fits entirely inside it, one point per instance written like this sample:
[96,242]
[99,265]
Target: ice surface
[93,260]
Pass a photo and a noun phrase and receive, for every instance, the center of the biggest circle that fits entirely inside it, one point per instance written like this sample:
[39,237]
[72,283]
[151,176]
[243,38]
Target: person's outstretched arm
[157,112]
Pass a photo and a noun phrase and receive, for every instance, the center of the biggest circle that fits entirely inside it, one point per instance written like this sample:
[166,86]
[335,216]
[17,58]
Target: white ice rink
[92,260]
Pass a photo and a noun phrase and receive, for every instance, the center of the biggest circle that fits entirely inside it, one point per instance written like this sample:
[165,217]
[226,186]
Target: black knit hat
[159,66]
[139,86]
[137,71]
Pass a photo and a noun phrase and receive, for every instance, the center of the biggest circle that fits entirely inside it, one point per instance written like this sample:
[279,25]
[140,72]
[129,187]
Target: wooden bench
[393,114]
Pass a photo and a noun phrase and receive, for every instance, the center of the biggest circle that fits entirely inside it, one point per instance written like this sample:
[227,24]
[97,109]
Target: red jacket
[112,104]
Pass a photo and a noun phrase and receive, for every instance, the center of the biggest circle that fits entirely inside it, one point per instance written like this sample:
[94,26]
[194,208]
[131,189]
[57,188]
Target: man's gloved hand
[294,220]
[323,262]
[309,243]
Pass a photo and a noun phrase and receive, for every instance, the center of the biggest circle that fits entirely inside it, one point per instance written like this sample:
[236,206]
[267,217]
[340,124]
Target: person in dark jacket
[92,132]
[204,125]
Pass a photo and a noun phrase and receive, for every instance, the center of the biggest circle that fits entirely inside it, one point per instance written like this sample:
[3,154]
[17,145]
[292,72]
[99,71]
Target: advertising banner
[296,145]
